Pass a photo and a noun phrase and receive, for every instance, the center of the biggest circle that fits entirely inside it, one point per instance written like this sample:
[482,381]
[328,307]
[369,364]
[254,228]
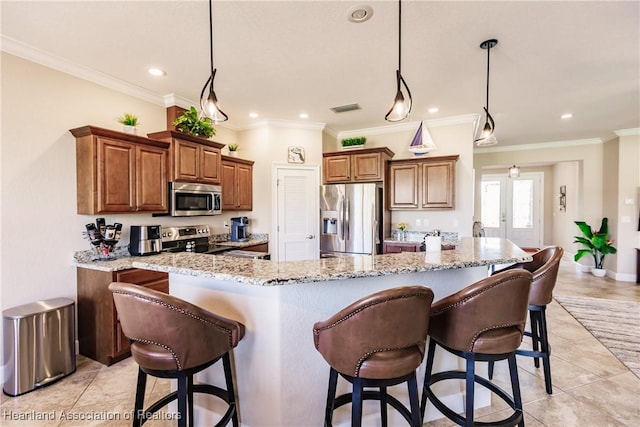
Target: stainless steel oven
[188,199]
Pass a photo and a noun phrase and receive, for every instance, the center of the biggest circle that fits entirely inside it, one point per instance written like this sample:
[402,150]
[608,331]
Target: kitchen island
[281,379]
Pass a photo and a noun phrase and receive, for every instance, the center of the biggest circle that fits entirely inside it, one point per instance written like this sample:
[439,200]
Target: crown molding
[24,51]
[539,146]
[172,99]
[627,132]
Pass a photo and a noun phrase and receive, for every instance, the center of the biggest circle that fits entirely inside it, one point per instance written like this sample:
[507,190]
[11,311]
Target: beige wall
[450,138]
[268,144]
[599,178]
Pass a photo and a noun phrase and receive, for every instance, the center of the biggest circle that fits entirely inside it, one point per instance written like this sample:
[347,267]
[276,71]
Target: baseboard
[621,277]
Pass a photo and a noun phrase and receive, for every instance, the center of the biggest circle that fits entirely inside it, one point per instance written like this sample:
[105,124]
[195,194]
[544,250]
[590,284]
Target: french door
[511,208]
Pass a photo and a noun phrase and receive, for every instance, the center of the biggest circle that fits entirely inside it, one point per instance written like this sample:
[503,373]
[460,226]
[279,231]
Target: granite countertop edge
[270,273]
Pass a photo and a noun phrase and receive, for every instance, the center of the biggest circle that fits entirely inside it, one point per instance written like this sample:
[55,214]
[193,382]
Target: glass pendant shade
[486,142]
[514,171]
[209,102]
[401,106]
[208,98]
[489,125]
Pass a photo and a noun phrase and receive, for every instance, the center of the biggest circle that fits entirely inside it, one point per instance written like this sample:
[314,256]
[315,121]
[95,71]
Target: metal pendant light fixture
[208,98]
[484,138]
[401,105]
[514,171]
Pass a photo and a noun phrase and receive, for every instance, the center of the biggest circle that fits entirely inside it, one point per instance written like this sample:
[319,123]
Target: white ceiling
[280,58]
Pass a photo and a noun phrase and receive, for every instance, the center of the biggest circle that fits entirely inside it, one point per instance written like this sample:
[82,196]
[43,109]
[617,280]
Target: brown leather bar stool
[171,338]
[378,341]
[483,322]
[544,268]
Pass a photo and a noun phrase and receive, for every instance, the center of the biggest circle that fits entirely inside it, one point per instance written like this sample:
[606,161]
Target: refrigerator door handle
[341,237]
[347,219]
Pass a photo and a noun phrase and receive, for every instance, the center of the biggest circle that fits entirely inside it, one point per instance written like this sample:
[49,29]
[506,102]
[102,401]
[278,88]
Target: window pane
[523,203]
[490,204]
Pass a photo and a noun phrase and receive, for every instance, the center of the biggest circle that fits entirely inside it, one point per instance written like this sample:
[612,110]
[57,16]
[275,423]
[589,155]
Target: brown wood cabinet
[365,165]
[99,332]
[397,247]
[192,159]
[427,184]
[237,184]
[119,173]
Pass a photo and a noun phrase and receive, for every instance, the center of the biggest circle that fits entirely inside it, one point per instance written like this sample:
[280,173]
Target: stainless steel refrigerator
[353,219]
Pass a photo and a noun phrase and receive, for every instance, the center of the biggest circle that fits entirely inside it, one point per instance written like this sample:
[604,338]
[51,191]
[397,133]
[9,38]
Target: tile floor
[591,387]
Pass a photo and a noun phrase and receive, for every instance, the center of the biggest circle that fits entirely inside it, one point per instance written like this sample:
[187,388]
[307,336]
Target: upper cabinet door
[337,168]
[367,167]
[151,168]
[403,188]
[116,176]
[186,161]
[210,165]
[438,185]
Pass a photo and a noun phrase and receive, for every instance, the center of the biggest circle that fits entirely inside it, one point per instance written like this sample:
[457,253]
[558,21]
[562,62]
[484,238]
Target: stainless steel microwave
[188,199]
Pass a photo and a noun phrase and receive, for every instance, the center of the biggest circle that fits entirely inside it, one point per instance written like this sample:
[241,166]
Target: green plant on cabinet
[355,141]
[191,123]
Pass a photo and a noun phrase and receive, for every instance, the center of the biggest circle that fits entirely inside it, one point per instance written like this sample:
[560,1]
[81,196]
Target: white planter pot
[130,129]
[599,272]
[233,154]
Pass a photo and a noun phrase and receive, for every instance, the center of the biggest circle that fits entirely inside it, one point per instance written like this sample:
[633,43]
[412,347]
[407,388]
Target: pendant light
[401,105]
[514,171]
[208,98]
[489,125]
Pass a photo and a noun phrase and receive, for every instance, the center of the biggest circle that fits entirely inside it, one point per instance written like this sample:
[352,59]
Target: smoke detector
[360,13]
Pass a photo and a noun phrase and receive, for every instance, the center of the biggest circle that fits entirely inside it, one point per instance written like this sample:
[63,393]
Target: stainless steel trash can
[39,344]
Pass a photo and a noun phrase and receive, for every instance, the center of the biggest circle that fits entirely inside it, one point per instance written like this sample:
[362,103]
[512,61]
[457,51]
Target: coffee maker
[239,226]
[145,240]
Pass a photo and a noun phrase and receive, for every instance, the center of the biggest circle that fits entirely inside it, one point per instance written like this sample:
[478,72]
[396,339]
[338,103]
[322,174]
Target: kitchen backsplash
[448,237]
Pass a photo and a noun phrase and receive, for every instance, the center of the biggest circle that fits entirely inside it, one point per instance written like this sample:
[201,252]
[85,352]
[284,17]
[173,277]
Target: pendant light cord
[488,59]
[211,34]
[400,35]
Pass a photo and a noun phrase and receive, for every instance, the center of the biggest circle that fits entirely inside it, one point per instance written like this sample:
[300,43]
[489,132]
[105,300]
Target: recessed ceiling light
[566,116]
[303,116]
[157,72]
[253,115]
[360,13]
[433,110]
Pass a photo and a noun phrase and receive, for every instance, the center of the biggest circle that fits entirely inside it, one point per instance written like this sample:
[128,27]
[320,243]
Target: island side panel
[281,378]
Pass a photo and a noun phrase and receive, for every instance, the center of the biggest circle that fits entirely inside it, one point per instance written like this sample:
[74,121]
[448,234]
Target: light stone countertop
[470,252]
[87,259]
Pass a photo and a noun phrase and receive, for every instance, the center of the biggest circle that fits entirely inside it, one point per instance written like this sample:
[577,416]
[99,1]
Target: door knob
[310,236]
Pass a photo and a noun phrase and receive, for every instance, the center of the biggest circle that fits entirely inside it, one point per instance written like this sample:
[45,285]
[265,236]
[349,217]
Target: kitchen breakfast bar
[281,378]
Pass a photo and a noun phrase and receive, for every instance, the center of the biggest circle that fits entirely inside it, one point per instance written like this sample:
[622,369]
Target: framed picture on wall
[296,155]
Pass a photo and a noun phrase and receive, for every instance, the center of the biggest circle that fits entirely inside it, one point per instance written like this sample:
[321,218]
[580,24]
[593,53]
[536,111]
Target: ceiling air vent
[345,108]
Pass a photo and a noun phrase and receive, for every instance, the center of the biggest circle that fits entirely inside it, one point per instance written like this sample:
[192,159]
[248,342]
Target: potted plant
[597,244]
[191,123]
[402,227]
[355,142]
[129,121]
[233,149]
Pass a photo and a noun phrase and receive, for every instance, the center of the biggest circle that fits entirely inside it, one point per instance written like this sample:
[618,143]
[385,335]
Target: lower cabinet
[99,333]
[397,247]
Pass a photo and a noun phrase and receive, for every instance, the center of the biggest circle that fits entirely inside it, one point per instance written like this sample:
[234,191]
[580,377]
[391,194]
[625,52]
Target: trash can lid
[32,308]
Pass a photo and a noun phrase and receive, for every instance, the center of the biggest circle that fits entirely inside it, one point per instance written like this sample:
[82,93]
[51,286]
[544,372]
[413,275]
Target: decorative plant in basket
[357,141]
[191,123]
[129,122]
[597,244]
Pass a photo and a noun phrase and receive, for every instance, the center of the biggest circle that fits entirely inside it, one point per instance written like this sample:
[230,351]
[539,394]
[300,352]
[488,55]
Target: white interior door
[297,218]
[511,208]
